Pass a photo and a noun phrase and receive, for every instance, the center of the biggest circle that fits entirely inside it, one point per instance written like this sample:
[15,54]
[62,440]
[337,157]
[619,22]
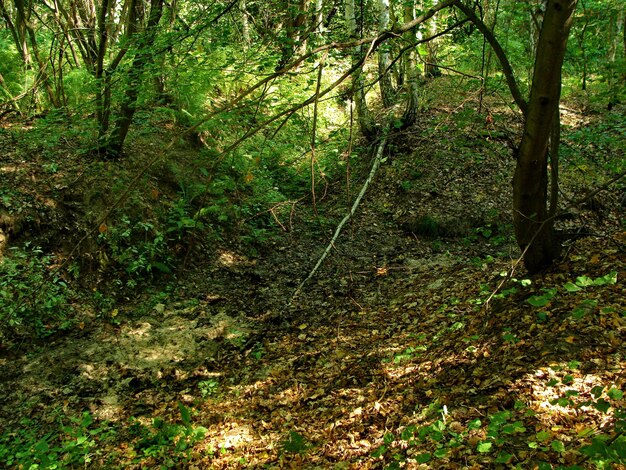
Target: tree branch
[497,48]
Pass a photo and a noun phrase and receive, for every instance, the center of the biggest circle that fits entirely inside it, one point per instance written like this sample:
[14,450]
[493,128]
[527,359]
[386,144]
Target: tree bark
[245,23]
[411,73]
[19,44]
[366,123]
[533,226]
[143,57]
[430,68]
[386,86]
[319,16]
[615,77]
[22,18]
[296,24]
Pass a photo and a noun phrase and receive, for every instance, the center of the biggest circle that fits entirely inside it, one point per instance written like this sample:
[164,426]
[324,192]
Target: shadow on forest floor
[392,354]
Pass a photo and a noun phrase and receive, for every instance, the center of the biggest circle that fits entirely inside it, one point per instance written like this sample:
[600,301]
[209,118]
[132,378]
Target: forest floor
[420,343]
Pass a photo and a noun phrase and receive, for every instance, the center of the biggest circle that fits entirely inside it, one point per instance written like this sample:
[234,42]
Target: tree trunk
[21,21]
[384,72]
[319,16]
[430,68]
[103,92]
[615,33]
[296,20]
[490,18]
[507,70]
[533,227]
[411,73]
[25,27]
[245,23]
[366,124]
[19,44]
[143,57]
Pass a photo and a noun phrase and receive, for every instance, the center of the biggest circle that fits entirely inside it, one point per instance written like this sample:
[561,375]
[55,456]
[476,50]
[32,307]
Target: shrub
[32,301]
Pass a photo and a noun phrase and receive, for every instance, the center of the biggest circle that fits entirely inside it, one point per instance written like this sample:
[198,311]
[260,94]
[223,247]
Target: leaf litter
[393,354]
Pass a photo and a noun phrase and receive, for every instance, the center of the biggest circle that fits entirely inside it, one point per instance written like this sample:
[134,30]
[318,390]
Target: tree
[411,72]
[296,15]
[143,57]
[534,228]
[366,123]
[430,66]
[384,72]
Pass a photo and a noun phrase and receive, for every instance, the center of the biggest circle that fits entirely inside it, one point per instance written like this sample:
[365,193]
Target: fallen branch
[349,215]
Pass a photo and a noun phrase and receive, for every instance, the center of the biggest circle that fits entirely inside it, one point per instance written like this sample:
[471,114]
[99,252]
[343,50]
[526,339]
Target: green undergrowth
[506,436]
[33,299]
[81,441]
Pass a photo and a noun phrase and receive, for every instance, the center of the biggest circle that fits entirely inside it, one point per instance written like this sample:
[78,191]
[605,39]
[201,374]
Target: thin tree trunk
[42,73]
[386,86]
[491,19]
[143,58]
[102,104]
[533,227]
[319,16]
[583,49]
[430,68]
[295,43]
[411,73]
[507,70]
[245,23]
[366,124]
[14,33]
[21,20]
[614,76]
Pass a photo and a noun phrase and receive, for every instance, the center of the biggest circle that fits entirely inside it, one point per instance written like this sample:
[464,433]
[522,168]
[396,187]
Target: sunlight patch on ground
[558,394]
[229,259]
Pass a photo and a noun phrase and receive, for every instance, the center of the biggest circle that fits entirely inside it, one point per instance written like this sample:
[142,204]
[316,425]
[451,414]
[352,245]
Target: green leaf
[441,453]
[561,402]
[185,415]
[538,301]
[557,446]
[379,452]
[585,307]
[542,436]
[503,457]
[474,424]
[423,458]
[610,278]
[296,443]
[602,405]
[543,299]
[615,393]
[484,447]
[407,433]
[597,391]
[570,287]
[584,281]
